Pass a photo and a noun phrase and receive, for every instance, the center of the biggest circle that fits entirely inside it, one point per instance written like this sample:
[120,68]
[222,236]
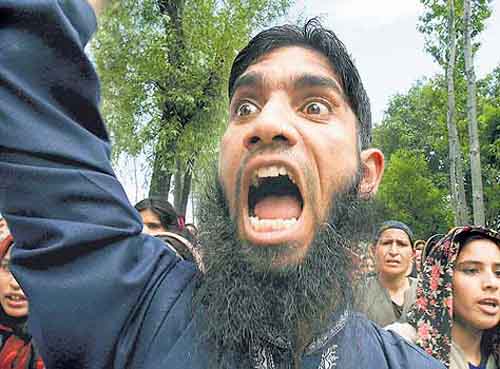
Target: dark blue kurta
[103,295]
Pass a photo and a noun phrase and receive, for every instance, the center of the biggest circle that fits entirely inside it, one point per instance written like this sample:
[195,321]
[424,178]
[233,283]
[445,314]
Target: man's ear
[372,162]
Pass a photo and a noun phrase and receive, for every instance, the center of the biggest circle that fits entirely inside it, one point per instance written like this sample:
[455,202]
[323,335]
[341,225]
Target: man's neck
[468,339]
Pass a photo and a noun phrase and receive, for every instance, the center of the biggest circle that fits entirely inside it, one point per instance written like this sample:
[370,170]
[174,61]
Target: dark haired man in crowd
[276,223]
[159,216]
[388,296]
[161,220]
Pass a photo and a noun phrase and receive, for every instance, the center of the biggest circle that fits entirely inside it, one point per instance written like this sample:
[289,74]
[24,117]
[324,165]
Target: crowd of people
[89,281]
[451,308]
[452,314]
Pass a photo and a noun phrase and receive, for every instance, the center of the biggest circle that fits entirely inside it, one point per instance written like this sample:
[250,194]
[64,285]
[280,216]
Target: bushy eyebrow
[313,81]
[303,81]
[252,80]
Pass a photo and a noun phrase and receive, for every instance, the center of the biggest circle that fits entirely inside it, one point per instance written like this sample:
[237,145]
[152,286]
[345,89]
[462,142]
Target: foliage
[444,26]
[489,132]
[164,66]
[415,125]
[416,121]
[408,194]
[433,24]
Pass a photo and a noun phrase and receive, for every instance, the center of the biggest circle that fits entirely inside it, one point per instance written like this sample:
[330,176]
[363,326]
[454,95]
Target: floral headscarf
[432,313]
[17,350]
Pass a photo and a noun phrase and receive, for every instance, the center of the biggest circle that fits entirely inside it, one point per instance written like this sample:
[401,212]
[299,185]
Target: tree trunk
[475,157]
[456,166]
[182,189]
[186,191]
[160,179]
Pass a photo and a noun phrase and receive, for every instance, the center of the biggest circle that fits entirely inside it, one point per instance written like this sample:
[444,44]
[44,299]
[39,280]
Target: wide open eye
[246,108]
[316,108]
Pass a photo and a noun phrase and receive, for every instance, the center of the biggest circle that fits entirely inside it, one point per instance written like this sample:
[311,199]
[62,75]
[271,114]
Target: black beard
[247,300]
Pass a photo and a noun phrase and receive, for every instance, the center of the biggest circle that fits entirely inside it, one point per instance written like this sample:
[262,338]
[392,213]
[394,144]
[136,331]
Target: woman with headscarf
[457,312]
[16,346]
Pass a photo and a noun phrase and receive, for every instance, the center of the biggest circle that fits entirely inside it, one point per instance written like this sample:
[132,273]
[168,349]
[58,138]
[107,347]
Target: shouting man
[277,222]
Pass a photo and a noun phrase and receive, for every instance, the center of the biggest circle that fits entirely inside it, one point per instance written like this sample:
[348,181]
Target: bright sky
[388,50]
[382,37]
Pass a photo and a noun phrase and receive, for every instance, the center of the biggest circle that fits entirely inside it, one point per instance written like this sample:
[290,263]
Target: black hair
[474,236]
[393,224]
[166,212]
[312,36]
[429,246]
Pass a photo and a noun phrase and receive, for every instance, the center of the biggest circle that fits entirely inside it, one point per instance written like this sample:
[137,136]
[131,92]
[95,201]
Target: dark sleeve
[88,272]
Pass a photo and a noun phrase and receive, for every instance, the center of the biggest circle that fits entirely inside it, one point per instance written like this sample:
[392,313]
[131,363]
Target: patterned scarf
[432,314]
[17,352]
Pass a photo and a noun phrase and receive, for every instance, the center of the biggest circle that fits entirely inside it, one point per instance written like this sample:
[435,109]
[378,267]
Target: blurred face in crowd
[419,246]
[393,253]
[290,146]
[12,298]
[367,265]
[476,286]
[152,224]
[4,229]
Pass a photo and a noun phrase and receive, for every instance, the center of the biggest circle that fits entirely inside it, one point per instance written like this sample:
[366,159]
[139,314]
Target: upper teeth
[15,298]
[270,171]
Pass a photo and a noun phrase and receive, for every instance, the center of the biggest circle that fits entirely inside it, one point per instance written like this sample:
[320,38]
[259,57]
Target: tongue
[278,207]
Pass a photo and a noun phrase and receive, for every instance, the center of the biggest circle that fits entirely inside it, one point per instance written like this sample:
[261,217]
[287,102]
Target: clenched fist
[98,5]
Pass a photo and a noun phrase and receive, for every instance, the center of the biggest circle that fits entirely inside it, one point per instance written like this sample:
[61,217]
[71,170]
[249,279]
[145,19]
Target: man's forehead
[300,81]
[290,65]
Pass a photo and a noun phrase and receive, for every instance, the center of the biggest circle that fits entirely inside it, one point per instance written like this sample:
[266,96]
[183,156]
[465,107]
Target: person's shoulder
[398,352]
[368,281]
[413,281]
[369,285]
[365,290]
[405,330]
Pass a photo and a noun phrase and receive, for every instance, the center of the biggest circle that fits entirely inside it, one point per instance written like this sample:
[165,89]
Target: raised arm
[79,254]
[97,5]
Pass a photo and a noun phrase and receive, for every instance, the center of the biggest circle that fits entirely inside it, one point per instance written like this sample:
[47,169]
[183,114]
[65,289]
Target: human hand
[97,5]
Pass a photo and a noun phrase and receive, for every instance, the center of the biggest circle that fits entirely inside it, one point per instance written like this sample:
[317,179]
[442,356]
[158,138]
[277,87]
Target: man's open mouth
[274,200]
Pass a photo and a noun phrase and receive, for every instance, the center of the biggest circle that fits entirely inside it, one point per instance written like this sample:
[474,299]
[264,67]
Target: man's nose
[272,125]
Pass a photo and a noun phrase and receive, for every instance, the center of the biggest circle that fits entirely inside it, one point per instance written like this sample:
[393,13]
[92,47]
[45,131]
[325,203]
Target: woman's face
[476,285]
[12,298]
[152,223]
